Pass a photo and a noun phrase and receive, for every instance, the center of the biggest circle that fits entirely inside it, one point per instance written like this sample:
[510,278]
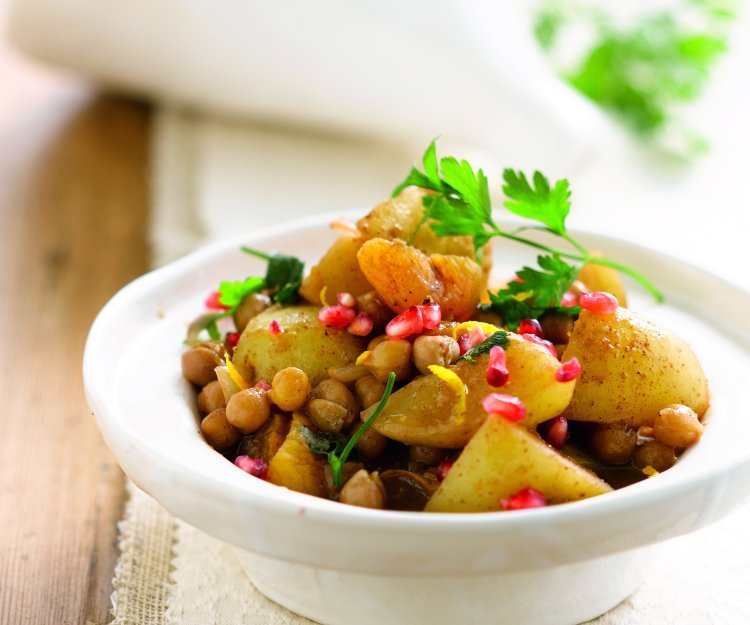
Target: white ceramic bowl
[339,564]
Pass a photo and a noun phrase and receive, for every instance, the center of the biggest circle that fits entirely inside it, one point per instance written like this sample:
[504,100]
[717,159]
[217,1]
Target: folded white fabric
[383,68]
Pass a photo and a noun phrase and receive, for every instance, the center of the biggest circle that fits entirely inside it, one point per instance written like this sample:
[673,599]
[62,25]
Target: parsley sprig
[460,205]
[333,446]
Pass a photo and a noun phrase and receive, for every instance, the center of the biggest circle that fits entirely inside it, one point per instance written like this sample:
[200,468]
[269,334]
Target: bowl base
[563,595]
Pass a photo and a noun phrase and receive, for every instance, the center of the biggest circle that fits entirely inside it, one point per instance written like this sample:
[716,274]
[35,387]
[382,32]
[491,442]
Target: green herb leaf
[538,202]
[232,293]
[284,276]
[332,446]
[499,338]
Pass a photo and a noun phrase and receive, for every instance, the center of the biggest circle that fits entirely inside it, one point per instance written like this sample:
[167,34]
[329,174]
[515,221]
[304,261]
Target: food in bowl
[396,374]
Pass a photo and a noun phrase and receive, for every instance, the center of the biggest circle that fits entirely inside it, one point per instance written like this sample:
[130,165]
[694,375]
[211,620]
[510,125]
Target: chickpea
[374,342]
[363,490]
[613,443]
[198,364]
[369,391]
[252,305]
[348,373]
[290,388]
[248,410]
[218,432]
[326,415]
[423,454]
[337,392]
[390,355]
[211,398]
[654,454]
[435,350]
[371,444]
[677,426]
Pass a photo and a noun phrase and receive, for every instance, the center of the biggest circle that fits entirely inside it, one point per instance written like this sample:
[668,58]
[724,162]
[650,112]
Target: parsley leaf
[232,293]
[283,275]
[538,202]
[498,338]
[333,447]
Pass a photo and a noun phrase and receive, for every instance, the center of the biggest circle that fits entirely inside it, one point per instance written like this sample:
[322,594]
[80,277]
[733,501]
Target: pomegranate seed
[554,431]
[523,499]
[530,326]
[569,300]
[347,299]
[471,339]
[231,339]
[506,406]
[263,385]
[568,371]
[599,302]
[253,466]
[431,315]
[405,323]
[213,303]
[336,316]
[443,468]
[274,328]
[362,325]
[533,338]
[497,370]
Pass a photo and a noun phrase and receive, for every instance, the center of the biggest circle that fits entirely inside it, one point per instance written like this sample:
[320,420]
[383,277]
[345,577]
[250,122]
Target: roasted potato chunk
[304,342]
[422,412]
[338,270]
[632,368]
[600,278]
[403,276]
[295,466]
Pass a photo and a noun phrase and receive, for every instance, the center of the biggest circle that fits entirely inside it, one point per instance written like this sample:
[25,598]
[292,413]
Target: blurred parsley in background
[640,68]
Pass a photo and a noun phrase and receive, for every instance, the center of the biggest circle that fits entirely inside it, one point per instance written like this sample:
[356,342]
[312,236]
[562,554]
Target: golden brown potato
[303,342]
[632,369]
[269,439]
[421,413]
[503,458]
[600,278]
[295,466]
[403,276]
[338,270]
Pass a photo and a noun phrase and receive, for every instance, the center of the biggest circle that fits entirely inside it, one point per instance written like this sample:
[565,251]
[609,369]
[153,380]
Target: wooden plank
[73,212]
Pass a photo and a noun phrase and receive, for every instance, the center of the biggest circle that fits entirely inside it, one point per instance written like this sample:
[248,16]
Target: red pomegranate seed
[554,431]
[253,466]
[531,326]
[361,326]
[523,499]
[336,316]
[599,302]
[469,340]
[568,371]
[497,370]
[569,300]
[213,303]
[262,384]
[431,316]
[231,339]
[274,328]
[533,338]
[347,299]
[506,406]
[405,323]
[443,468]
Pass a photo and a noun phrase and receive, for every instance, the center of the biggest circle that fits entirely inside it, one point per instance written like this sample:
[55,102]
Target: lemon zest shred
[469,325]
[235,375]
[457,386]
[650,471]
[323,294]
[362,357]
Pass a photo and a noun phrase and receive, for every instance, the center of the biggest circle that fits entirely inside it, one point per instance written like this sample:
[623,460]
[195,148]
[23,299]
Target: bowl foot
[563,595]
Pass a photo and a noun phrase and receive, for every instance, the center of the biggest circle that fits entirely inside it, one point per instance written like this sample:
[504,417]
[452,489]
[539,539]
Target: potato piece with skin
[338,270]
[600,278]
[403,276]
[304,342]
[501,459]
[632,369]
[421,413]
[295,466]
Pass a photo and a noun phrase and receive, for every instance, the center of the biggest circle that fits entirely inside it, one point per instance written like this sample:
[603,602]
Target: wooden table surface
[73,213]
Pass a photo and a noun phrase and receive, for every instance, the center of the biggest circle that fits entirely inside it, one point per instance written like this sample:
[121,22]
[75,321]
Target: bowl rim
[288,502]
